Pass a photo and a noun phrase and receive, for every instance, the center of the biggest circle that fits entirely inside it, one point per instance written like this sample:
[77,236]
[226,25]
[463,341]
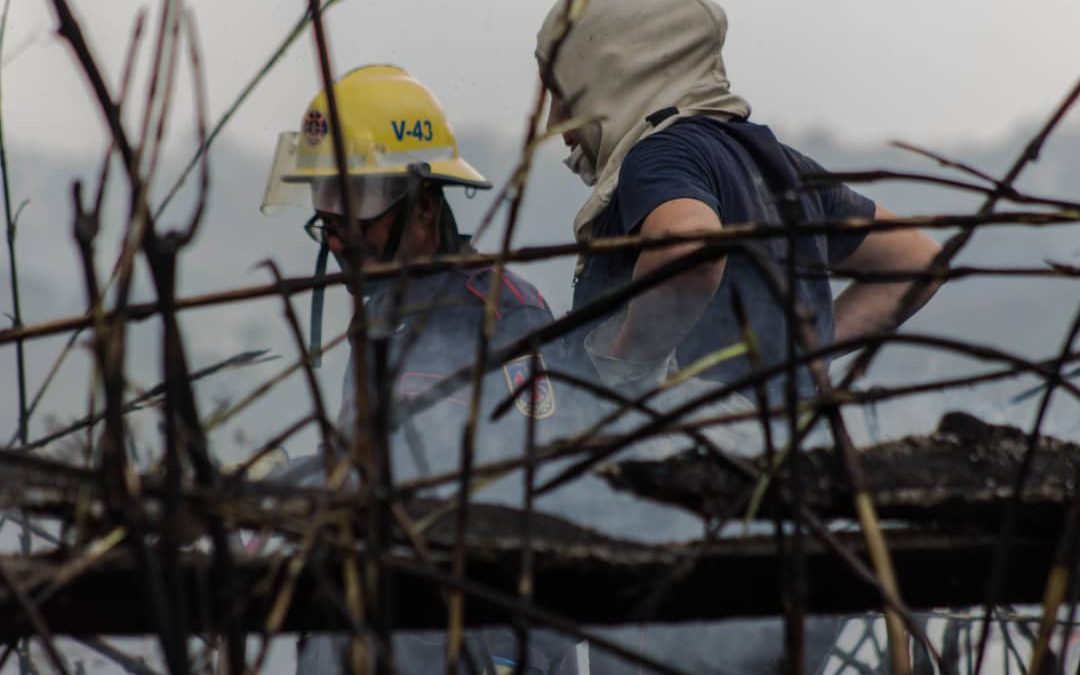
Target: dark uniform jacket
[432,328]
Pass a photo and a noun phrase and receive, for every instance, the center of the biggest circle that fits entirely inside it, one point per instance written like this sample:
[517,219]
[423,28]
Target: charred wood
[957,478]
[590,581]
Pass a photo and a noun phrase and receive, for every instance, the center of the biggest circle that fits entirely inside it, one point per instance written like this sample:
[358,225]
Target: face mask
[580,164]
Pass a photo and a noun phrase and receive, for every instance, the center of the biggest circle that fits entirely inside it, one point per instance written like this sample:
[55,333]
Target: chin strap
[317,297]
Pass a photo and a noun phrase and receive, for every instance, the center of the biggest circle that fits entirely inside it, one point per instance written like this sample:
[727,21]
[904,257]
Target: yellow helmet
[392,125]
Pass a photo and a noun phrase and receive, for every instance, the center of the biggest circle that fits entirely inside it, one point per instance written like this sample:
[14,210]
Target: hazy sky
[944,74]
[921,70]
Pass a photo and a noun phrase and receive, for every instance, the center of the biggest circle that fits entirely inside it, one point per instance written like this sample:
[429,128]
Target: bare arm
[657,321]
[865,308]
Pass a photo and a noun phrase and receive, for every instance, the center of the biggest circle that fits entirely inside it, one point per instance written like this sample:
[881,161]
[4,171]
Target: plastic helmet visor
[369,196]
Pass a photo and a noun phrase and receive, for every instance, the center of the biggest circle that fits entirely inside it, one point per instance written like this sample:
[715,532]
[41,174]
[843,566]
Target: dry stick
[525,574]
[162,262]
[236,638]
[378,536]
[794,581]
[1030,154]
[1069,625]
[139,232]
[108,346]
[198,76]
[330,436]
[35,618]
[10,219]
[185,437]
[9,649]
[239,472]
[875,395]
[732,234]
[1058,270]
[800,327]
[168,9]
[297,30]
[72,569]
[363,445]
[262,389]
[132,665]
[1057,583]
[794,615]
[1002,190]
[294,566]
[103,174]
[890,599]
[22,433]
[140,401]
[330,440]
[169,42]
[519,183]
[912,297]
[945,161]
[386,500]
[1057,589]
[195,160]
[957,242]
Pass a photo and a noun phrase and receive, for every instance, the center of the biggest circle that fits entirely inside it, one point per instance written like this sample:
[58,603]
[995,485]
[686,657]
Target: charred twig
[1000,190]
[1058,583]
[34,617]
[518,184]
[330,437]
[150,397]
[801,331]
[1030,154]
[208,140]
[132,665]
[11,219]
[945,161]
[363,444]
[103,174]
[729,234]
[258,392]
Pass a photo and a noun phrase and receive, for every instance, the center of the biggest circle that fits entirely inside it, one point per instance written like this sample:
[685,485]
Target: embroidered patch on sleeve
[543,394]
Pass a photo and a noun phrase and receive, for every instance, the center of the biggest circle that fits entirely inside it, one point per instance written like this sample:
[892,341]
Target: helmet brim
[454,171]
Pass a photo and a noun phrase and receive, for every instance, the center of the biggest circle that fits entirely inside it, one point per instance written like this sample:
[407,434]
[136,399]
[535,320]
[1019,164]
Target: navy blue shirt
[700,158]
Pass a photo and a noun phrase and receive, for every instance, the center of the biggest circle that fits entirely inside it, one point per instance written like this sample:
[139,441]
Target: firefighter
[402,155]
[667,148]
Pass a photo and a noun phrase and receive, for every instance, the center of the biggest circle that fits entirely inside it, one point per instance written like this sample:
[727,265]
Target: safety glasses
[324,226]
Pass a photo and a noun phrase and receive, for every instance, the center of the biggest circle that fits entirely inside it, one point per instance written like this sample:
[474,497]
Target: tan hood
[626,59]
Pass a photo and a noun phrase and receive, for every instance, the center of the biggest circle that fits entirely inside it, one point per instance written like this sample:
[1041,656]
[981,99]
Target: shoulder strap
[779,175]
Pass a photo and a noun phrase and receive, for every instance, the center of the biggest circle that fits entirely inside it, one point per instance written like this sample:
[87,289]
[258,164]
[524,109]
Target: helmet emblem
[315,127]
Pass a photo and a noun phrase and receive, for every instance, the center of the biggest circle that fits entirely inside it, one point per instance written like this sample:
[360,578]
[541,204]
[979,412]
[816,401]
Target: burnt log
[958,478]
[590,582]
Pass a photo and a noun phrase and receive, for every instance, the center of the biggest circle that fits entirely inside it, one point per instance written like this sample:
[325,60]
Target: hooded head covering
[624,60]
